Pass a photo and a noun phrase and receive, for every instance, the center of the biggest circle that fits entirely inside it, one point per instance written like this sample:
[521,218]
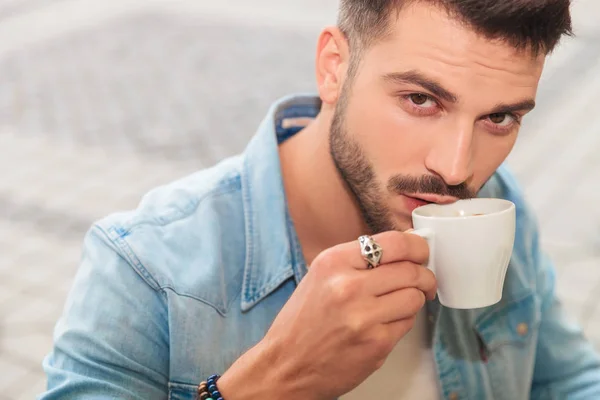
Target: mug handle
[428,235]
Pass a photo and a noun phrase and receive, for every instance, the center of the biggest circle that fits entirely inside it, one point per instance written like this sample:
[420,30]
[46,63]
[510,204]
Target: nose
[451,157]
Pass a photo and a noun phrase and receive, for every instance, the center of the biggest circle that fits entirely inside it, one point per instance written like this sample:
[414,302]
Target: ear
[333,57]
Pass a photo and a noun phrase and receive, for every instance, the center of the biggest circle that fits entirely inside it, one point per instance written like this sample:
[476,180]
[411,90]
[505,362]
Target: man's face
[431,113]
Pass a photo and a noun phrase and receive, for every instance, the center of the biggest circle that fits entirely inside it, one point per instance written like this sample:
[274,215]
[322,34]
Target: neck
[324,212]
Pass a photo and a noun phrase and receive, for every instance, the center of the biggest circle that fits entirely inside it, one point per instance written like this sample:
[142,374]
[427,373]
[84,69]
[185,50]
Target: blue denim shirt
[179,288]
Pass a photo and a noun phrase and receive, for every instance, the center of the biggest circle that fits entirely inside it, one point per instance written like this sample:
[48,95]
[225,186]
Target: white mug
[470,243]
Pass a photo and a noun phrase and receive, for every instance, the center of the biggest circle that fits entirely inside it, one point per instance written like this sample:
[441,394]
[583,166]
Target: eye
[501,119]
[419,104]
[502,122]
[421,100]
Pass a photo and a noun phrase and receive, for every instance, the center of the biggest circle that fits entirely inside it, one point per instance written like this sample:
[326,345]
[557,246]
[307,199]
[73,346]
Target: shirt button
[522,329]
[431,319]
[453,396]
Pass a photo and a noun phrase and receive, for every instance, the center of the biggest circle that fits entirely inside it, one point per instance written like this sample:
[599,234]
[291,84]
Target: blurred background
[101,101]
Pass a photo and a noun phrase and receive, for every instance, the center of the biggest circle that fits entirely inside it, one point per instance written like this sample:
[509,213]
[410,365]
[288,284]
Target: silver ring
[371,251]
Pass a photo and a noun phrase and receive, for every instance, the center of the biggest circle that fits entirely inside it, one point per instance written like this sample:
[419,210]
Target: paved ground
[101,101]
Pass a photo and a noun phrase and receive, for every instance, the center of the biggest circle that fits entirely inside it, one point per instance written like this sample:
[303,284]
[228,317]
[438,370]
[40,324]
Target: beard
[358,174]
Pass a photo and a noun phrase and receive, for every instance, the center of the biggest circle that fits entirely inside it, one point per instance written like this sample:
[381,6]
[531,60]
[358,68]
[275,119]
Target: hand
[341,323]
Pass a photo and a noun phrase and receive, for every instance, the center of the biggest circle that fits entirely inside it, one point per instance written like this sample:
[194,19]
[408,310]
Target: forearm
[264,373]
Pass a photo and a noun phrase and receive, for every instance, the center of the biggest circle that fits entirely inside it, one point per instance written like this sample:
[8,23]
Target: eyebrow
[525,105]
[417,78]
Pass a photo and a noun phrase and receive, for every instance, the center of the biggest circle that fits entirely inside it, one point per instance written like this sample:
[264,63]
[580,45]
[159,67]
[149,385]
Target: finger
[399,305]
[400,275]
[396,246]
[398,329]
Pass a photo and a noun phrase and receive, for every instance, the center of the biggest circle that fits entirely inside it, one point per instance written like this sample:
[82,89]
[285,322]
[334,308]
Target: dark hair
[537,25]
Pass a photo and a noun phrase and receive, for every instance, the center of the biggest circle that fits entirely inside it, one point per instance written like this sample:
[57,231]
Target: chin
[402,223]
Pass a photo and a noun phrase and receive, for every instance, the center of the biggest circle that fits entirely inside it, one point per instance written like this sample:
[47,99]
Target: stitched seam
[486,317]
[272,285]
[177,384]
[173,385]
[519,343]
[146,275]
[116,236]
[113,236]
[200,299]
[170,216]
[249,238]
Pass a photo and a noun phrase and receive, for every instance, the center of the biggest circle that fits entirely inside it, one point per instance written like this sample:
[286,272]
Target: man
[252,269]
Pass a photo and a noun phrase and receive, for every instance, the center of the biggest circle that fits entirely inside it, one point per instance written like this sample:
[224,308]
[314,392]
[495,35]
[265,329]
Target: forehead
[423,37]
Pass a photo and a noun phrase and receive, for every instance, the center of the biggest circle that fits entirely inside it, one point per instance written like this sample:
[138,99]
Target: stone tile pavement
[123,96]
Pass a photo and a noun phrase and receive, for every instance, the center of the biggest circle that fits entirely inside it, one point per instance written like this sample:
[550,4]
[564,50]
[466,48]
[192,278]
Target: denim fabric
[179,288]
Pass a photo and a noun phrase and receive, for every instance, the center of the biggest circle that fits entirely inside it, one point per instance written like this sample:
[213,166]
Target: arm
[112,340]
[566,364]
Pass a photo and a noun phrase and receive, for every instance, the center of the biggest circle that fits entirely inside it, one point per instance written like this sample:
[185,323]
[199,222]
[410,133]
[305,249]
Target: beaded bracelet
[208,390]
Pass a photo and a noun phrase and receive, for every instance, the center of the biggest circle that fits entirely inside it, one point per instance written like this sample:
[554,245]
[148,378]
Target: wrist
[259,373]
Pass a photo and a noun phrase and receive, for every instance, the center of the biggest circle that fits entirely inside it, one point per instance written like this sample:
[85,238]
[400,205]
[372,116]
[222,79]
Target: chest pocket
[509,335]
[181,391]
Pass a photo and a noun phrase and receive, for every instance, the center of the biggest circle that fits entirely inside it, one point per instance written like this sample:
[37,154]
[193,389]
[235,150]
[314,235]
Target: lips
[415,201]
[432,198]
[412,203]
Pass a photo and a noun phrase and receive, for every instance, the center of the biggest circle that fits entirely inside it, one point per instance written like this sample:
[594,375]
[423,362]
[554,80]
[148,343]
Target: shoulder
[187,236]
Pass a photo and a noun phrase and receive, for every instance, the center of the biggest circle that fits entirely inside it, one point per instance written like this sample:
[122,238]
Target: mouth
[433,198]
[414,201]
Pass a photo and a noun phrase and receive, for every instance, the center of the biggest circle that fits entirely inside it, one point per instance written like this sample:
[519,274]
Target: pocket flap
[512,322]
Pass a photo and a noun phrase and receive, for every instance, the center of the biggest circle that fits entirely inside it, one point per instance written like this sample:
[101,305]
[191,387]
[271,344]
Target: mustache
[428,184]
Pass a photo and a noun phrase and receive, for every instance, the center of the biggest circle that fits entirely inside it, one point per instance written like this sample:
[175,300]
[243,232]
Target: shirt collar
[273,253]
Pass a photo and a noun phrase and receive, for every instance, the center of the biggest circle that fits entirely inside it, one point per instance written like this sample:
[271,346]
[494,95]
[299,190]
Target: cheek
[391,139]
[489,153]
